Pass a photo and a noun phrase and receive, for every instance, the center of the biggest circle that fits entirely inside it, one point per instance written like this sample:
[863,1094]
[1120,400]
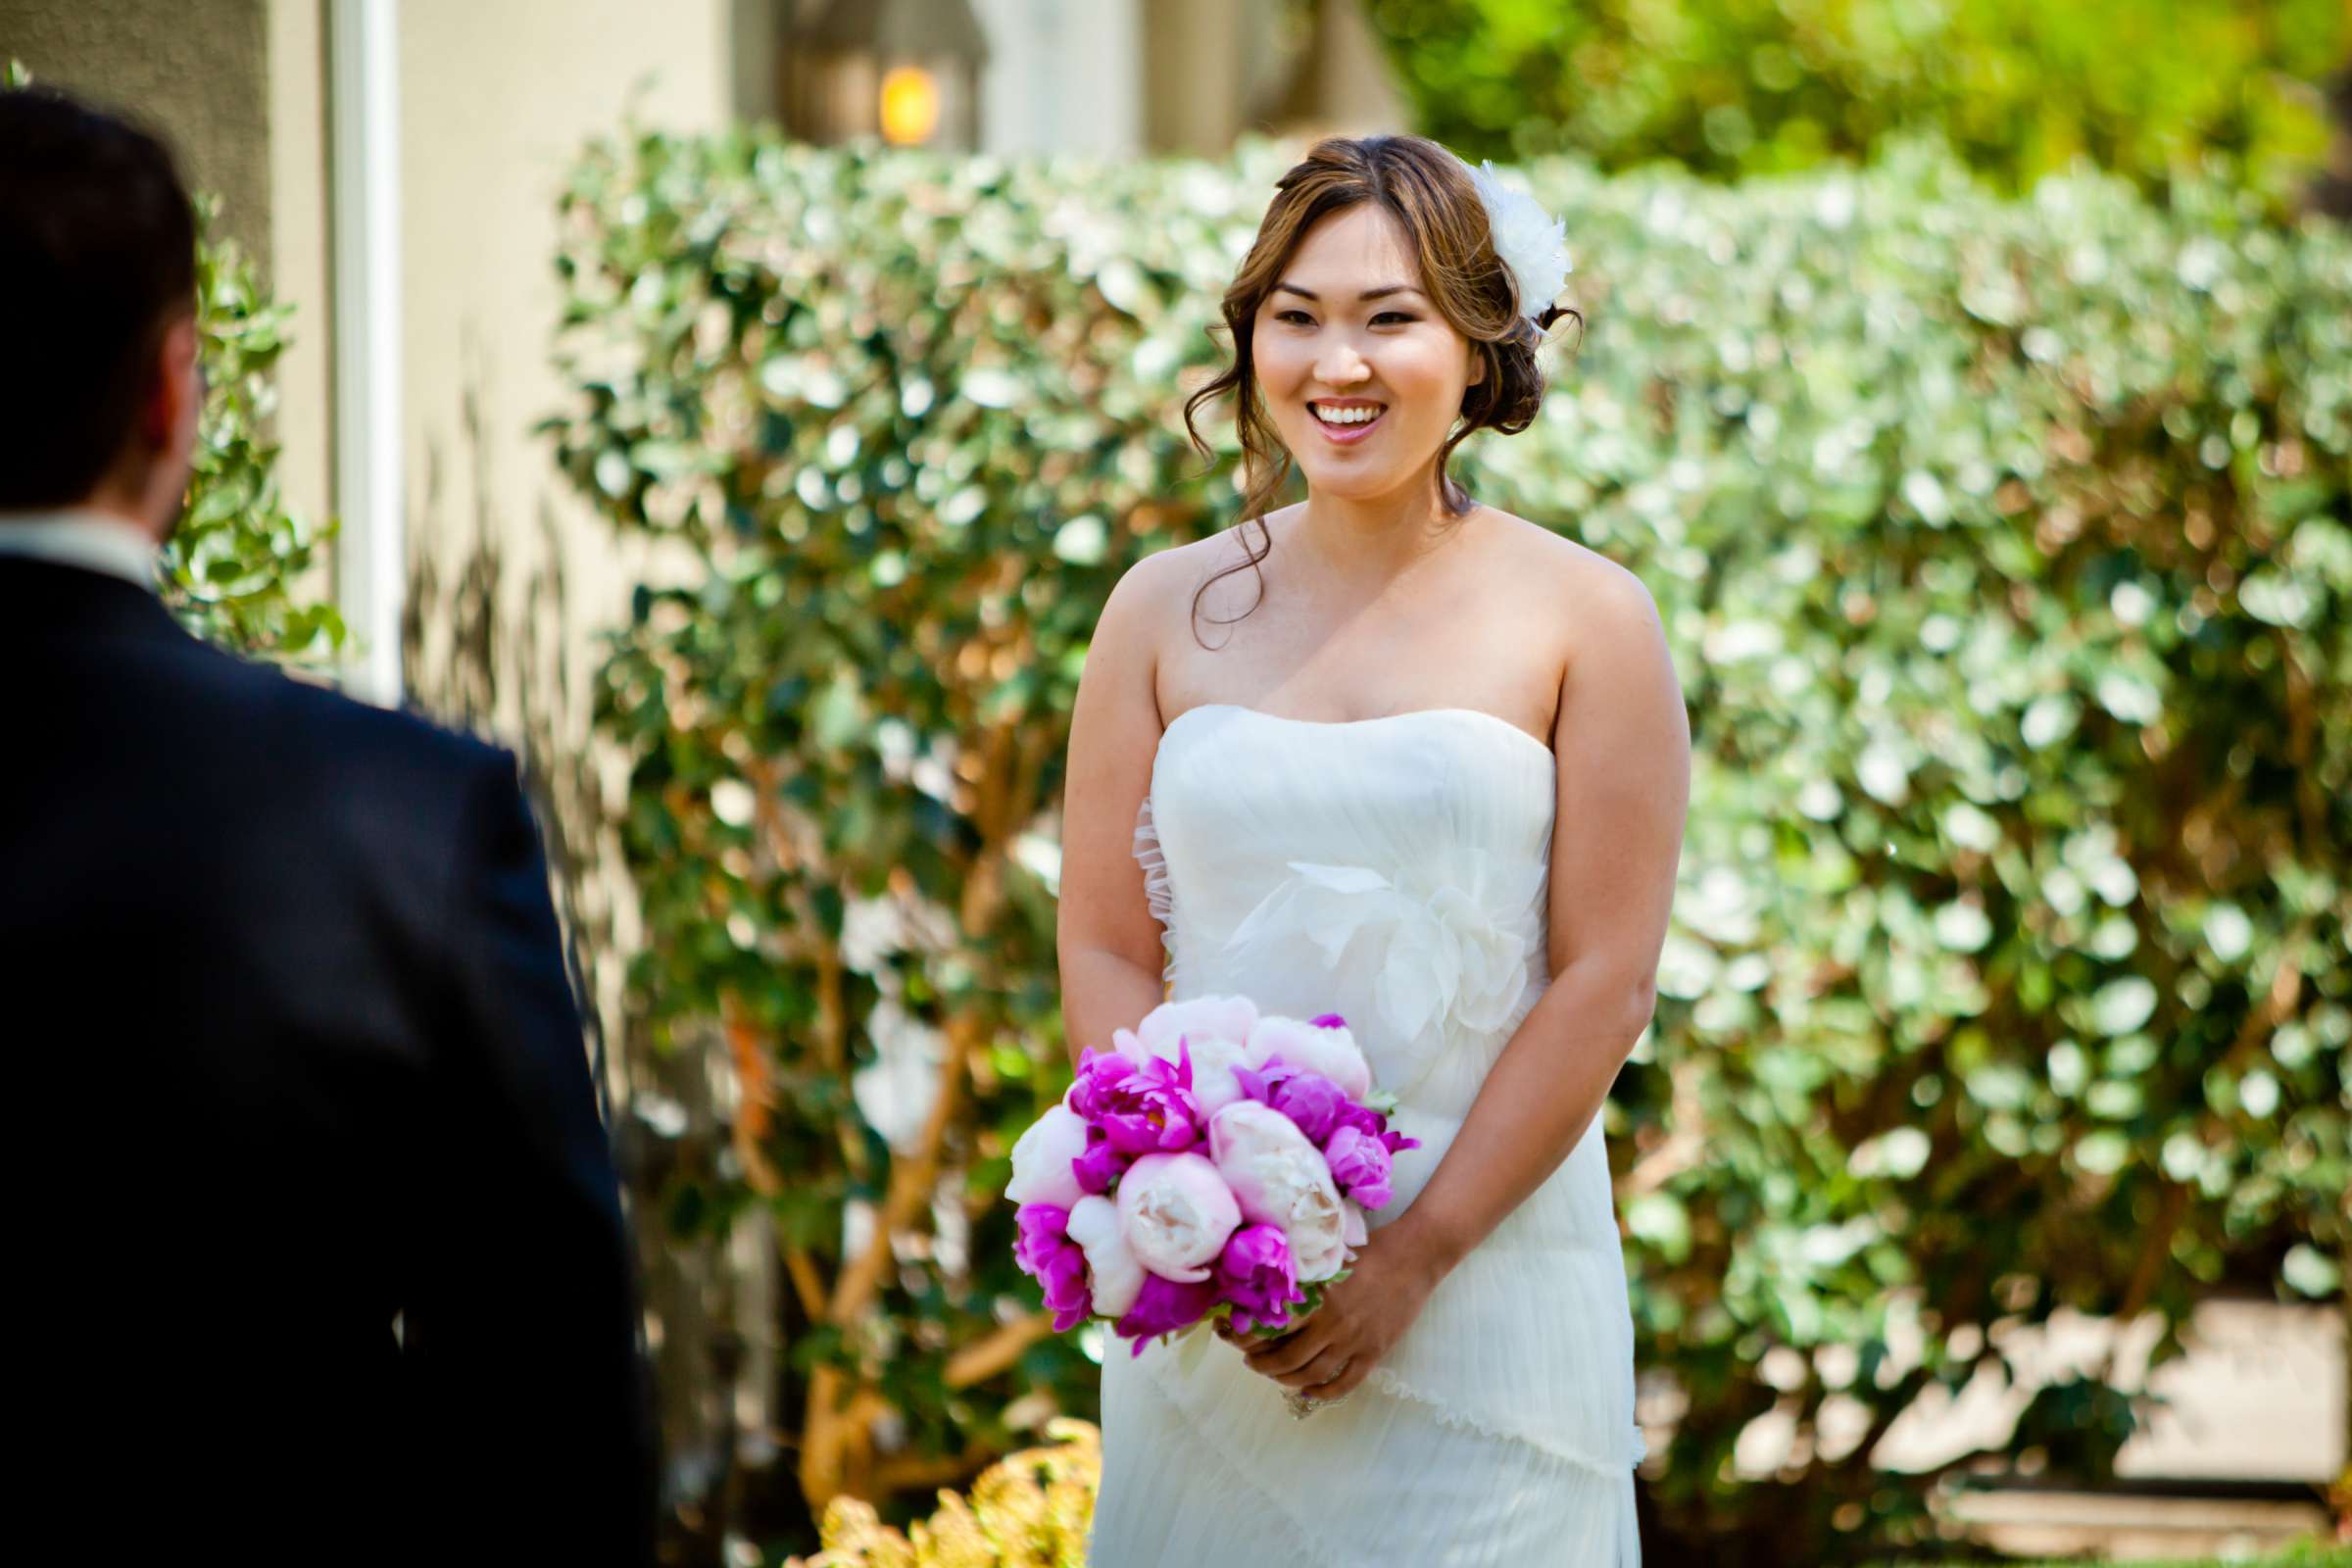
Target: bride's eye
[1394,316]
[1294,318]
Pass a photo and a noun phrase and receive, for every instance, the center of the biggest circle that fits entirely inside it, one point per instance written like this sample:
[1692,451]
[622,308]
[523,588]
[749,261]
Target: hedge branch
[983,1359]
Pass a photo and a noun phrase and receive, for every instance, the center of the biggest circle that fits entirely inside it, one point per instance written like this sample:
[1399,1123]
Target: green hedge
[243,569]
[2004,550]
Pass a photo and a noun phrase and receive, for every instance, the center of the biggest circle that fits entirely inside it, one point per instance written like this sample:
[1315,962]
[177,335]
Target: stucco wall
[198,69]
[510,576]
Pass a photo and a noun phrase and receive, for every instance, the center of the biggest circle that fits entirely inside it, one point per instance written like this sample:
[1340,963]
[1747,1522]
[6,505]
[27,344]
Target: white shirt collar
[94,541]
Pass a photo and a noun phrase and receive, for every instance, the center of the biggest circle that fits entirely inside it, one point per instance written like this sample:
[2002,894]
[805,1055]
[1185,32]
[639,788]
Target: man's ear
[173,389]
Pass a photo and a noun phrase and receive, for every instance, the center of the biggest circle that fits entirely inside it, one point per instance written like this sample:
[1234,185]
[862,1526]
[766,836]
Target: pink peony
[1258,1278]
[1144,1111]
[1100,1168]
[1045,1252]
[1215,1030]
[1100,1074]
[1359,1163]
[1164,1306]
[1176,1212]
[1309,1098]
[1328,1051]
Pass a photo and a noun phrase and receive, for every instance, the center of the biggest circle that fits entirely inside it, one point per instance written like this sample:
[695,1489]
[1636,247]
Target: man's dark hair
[97,258]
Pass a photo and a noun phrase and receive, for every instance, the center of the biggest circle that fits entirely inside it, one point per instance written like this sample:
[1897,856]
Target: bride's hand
[1360,1320]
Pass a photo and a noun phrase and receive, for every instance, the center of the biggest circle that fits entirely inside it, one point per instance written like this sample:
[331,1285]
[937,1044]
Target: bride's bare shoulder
[1154,598]
[1571,577]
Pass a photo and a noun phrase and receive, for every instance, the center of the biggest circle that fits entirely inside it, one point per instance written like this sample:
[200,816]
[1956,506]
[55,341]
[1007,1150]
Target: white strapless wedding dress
[1391,870]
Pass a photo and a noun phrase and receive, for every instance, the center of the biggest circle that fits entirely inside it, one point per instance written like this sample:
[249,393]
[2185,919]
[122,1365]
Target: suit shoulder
[399,738]
[353,760]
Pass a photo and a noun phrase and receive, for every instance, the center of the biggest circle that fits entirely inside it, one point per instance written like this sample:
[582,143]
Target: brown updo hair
[1428,191]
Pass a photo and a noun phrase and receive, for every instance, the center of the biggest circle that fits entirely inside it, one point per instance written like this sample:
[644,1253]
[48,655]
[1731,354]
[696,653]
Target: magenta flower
[1100,1074]
[1045,1251]
[1359,1163]
[1312,1101]
[1102,1165]
[1163,1306]
[1143,1110]
[1372,1124]
[1263,1084]
[1327,1020]
[1256,1275]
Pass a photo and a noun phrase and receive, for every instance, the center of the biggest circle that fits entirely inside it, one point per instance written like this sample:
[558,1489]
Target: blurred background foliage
[242,571]
[2005,548]
[2153,89]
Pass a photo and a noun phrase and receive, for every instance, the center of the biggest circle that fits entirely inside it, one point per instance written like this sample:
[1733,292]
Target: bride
[1396,755]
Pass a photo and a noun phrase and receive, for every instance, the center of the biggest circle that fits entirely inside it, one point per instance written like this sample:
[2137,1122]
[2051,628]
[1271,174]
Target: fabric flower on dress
[1454,951]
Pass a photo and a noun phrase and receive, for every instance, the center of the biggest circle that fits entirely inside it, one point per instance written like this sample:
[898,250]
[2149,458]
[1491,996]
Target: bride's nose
[1339,365]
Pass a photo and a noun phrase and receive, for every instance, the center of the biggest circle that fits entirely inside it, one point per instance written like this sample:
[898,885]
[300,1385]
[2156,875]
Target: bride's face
[1362,374]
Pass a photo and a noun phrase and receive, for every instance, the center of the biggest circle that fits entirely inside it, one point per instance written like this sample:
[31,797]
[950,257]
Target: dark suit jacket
[318,1250]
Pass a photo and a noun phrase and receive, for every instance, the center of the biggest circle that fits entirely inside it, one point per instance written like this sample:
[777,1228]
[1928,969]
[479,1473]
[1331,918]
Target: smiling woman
[1463,1392]
[1373,321]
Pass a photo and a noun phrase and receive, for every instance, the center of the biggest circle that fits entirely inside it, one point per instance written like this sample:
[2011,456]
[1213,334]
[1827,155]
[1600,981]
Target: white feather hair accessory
[1532,244]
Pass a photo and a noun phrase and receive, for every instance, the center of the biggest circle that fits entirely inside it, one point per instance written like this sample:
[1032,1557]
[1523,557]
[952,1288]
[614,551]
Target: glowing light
[909,106]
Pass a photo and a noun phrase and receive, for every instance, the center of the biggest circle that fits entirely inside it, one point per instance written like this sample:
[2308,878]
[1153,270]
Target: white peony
[1178,1215]
[1280,1179]
[1213,1030]
[1532,244]
[1197,1019]
[1041,1160]
[1112,1274]
[1331,1053]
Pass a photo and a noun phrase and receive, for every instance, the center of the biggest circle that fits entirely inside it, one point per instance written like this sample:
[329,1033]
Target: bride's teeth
[1347,415]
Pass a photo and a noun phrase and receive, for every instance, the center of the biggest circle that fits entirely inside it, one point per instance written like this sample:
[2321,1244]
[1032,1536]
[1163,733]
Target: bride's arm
[1623,741]
[1106,939]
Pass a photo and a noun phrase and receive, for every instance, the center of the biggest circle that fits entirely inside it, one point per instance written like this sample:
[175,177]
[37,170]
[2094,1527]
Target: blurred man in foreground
[318,1247]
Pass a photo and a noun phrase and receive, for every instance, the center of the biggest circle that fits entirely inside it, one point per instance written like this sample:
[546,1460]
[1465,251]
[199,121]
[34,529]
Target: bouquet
[1213,1164]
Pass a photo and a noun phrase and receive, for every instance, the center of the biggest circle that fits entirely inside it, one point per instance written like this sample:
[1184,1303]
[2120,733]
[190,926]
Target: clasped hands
[1359,1321]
